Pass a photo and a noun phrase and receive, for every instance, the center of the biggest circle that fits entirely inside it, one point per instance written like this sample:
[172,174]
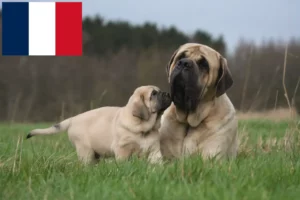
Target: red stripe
[68,28]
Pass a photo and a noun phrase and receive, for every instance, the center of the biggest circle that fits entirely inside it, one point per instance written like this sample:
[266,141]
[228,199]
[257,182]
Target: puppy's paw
[155,158]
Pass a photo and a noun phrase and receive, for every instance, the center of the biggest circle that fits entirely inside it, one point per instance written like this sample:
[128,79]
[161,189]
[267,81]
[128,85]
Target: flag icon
[42,28]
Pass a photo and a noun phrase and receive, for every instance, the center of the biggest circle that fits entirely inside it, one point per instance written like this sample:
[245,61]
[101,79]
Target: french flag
[41,28]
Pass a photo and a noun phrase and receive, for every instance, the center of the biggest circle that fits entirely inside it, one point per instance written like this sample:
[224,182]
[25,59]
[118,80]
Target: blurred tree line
[119,56]
[103,37]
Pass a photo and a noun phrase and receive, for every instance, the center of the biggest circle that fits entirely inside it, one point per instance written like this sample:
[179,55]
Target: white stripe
[41,28]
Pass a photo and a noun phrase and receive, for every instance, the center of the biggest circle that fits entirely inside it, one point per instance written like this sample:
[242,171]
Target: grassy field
[268,167]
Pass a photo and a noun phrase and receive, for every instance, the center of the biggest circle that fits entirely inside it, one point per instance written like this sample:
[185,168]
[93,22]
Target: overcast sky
[251,19]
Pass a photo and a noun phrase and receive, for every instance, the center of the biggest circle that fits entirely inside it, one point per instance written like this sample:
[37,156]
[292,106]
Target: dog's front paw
[155,157]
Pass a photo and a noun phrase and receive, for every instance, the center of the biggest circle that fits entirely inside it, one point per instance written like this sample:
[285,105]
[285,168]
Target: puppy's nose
[166,94]
[185,62]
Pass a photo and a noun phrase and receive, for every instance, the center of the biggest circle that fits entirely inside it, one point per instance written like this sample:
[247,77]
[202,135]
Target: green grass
[47,168]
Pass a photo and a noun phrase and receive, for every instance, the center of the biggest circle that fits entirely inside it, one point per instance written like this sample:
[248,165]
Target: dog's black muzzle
[185,91]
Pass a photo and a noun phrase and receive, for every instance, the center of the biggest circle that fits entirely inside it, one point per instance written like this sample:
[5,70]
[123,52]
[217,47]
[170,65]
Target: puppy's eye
[203,64]
[154,92]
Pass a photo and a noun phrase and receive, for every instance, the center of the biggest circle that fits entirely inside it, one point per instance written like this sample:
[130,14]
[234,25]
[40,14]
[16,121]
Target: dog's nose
[184,62]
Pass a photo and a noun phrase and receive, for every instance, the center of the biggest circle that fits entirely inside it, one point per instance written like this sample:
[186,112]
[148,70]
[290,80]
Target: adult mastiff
[201,119]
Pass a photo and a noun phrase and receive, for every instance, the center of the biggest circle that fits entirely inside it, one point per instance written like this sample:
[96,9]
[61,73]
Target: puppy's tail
[57,128]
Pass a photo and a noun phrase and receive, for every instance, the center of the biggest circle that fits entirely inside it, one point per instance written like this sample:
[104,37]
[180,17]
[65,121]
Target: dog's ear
[140,109]
[170,62]
[224,80]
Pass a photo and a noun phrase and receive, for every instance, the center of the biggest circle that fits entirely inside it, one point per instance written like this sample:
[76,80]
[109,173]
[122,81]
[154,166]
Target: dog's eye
[154,92]
[202,63]
[181,56]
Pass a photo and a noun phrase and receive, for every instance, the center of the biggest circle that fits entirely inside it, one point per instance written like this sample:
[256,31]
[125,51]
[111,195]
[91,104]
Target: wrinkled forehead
[197,51]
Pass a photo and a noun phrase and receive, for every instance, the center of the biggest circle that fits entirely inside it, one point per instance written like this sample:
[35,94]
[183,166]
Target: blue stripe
[15,25]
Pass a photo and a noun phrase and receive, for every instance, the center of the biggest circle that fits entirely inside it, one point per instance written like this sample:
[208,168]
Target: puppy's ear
[170,62]
[224,80]
[140,109]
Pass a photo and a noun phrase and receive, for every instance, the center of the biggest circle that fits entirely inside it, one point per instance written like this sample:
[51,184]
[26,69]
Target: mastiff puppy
[117,131]
[201,119]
